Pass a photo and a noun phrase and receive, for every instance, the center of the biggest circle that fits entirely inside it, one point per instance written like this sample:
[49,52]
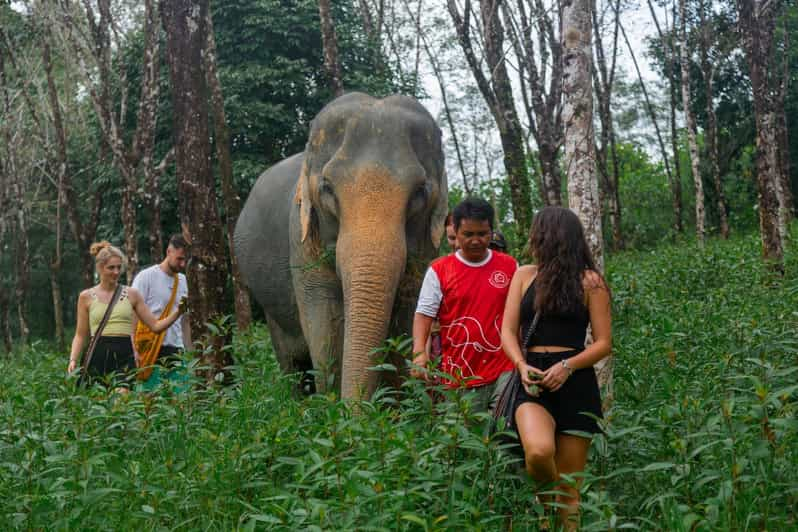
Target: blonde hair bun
[97,247]
[102,251]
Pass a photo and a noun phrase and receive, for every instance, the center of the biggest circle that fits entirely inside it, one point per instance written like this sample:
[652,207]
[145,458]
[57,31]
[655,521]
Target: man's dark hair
[473,209]
[498,242]
[178,242]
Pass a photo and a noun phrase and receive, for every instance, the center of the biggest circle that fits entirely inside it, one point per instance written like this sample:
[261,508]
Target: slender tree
[708,73]
[689,119]
[603,81]
[232,202]
[540,77]
[497,91]
[330,44]
[675,177]
[92,41]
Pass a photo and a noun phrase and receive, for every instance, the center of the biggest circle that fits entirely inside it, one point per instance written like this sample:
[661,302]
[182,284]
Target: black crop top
[559,329]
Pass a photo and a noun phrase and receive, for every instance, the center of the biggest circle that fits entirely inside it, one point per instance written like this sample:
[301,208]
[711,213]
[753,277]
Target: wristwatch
[567,366]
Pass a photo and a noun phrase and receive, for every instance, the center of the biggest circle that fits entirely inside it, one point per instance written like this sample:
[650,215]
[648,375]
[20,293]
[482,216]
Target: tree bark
[580,152]
[689,119]
[17,206]
[757,26]
[232,202]
[498,94]
[330,45]
[185,24]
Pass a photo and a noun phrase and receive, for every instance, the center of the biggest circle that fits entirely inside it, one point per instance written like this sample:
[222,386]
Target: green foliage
[702,434]
[272,72]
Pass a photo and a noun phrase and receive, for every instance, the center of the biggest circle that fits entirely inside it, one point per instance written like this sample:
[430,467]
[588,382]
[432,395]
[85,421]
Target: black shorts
[575,403]
[113,362]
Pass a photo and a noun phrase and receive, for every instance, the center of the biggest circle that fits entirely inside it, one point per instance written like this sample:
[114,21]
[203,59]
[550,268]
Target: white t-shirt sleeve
[429,299]
[140,283]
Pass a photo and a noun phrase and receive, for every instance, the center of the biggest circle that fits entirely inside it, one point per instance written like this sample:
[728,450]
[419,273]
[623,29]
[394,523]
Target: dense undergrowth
[703,434]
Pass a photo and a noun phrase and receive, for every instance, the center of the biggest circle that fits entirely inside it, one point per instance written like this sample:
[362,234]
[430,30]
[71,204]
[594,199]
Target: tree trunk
[700,215]
[675,178]
[604,80]
[330,45]
[16,203]
[61,149]
[708,71]
[540,76]
[436,69]
[498,95]
[649,106]
[757,26]
[185,24]
[232,202]
[5,322]
[580,152]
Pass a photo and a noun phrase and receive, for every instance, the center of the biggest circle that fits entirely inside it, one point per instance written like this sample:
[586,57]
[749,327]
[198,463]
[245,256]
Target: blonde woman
[113,354]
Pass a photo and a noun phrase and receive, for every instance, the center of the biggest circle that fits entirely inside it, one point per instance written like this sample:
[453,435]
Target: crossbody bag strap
[532,328]
[168,309]
[99,331]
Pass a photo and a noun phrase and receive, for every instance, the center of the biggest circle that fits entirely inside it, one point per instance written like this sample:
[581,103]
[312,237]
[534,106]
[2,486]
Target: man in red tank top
[466,292]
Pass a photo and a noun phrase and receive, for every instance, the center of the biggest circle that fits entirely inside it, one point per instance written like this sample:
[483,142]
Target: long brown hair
[557,244]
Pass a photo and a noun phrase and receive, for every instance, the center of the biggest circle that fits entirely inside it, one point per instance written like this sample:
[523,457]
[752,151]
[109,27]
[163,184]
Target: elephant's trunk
[370,254]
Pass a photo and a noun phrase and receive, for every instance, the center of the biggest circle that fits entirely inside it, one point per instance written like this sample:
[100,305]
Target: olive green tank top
[120,322]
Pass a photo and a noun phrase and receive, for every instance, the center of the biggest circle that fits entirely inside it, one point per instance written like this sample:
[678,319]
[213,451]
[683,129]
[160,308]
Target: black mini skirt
[113,362]
[576,405]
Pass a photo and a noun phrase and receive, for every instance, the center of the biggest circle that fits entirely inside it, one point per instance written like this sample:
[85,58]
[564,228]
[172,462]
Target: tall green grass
[702,436]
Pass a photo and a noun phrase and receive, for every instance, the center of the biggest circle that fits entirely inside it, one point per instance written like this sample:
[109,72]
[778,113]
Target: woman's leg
[536,430]
[571,457]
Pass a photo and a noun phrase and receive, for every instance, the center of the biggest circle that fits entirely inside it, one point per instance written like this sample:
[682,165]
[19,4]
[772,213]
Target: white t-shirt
[156,286]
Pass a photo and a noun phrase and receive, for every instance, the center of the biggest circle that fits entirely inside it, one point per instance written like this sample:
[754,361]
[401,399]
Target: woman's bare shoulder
[528,270]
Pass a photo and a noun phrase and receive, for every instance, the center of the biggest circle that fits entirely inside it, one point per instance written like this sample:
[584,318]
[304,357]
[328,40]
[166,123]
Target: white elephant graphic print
[468,300]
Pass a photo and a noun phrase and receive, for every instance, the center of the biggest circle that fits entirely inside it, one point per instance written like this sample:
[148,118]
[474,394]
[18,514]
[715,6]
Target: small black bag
[506,400]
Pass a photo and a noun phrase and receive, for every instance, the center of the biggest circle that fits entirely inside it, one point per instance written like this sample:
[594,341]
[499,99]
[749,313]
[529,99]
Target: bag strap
[103,322]
[532,327]
[168,308]
[510,389]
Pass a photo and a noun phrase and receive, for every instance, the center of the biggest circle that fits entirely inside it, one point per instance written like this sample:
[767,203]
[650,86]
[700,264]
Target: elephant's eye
[325,187]
[327,197]
[418,200]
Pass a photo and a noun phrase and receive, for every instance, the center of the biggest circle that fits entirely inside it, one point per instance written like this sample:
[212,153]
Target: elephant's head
[373,189]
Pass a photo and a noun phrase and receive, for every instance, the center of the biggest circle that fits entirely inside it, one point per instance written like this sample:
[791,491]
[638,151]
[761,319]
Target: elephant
[333,241]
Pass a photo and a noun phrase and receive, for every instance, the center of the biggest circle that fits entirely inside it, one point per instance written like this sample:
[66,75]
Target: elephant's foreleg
[322,318]
[292,352]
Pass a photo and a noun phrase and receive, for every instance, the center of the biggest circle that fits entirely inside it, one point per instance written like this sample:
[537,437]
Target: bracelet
[567,366]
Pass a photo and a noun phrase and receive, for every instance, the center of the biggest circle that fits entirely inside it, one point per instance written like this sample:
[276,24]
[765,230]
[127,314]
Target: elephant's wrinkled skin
[327,237]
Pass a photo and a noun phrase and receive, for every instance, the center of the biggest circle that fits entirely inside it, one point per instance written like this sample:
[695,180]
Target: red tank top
[470,316]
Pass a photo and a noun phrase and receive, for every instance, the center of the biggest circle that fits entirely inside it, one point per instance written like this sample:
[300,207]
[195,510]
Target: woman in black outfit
[557,369]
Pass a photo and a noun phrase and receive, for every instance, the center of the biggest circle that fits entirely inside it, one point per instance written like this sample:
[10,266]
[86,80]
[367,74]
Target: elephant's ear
[439,213]
[302,197]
